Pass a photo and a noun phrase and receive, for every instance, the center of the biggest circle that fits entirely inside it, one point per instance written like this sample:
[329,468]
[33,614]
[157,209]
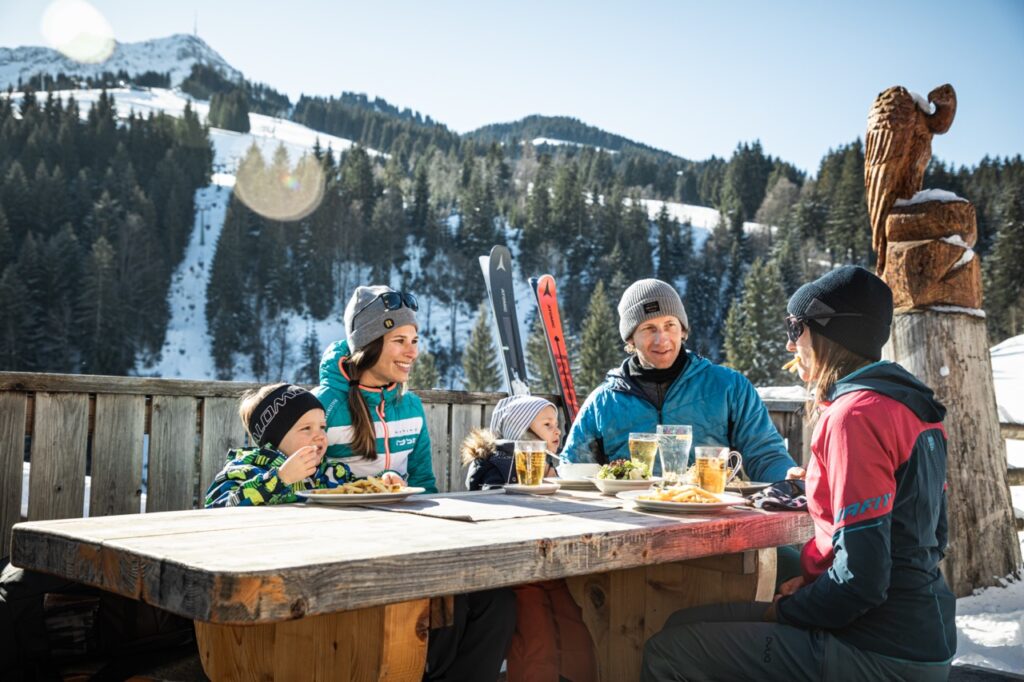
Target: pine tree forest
[95,212]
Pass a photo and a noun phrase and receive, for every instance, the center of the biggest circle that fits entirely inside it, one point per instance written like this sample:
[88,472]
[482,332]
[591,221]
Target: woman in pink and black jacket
[871,603]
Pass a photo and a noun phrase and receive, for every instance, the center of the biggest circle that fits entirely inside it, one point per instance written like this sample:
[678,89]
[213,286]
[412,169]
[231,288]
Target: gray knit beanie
[367,317]
[513,415]
[647,298]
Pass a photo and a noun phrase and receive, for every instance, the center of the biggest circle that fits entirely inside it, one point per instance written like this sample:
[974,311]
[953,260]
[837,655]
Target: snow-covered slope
[1008,374]
[186,350]
[174,54]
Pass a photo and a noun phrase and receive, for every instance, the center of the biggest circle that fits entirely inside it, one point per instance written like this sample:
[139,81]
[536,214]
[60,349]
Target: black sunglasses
[393,300]
[795,325]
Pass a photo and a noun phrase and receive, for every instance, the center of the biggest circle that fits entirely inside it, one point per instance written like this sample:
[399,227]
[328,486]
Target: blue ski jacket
[719,403]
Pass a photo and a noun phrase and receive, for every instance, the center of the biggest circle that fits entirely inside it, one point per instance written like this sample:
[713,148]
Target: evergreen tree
[14,319]
[755,341]
[600,345]
[702,311]
[538,359]
[480,360]
[419,216]
[424,374]
[1004,269]
[230,111]
[105,347]
[6,242]
[311,352]
[535,245]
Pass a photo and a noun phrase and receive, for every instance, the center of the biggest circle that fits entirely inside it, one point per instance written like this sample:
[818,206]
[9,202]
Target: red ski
[547,301]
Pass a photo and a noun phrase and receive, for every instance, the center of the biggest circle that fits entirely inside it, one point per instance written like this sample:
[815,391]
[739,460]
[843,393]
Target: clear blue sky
[693,78]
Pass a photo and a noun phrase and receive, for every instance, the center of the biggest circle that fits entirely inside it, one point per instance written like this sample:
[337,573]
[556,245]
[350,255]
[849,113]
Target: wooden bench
[105,427]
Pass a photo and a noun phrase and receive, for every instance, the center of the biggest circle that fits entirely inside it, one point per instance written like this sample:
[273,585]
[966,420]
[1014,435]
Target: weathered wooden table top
[265,564]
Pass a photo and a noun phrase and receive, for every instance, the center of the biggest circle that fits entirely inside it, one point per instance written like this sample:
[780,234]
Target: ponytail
[364,434]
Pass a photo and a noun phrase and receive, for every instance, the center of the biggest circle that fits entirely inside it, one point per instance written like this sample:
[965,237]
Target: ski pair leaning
[497,269]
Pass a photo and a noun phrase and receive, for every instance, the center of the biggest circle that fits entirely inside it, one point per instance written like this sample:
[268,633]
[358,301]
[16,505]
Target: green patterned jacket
[250,477]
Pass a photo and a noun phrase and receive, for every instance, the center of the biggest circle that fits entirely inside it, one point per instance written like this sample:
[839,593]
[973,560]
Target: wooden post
[377,643]
[923,241]
[949,352]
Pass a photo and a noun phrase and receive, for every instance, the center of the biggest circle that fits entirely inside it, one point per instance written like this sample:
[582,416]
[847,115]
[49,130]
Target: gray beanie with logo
[646,299]
[367,317]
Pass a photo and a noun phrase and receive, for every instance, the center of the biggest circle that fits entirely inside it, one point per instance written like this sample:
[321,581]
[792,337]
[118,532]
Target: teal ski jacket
[719,403]
[403,443]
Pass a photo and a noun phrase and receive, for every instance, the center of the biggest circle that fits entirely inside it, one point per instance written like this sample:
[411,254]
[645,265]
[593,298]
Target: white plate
[358,498]
[572,483]
[611,486]
[682,507]
[520,489]
[745,487]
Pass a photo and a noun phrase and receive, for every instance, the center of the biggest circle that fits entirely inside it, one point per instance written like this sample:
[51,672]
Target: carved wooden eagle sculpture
[899,146]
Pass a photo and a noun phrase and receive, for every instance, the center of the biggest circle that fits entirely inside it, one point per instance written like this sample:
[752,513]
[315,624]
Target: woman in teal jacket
[375,428]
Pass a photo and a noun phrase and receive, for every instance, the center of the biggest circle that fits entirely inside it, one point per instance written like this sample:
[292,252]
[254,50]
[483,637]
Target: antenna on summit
[195,24]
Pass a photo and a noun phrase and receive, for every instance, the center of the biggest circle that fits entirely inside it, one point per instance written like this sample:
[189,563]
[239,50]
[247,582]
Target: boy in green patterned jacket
[289,428]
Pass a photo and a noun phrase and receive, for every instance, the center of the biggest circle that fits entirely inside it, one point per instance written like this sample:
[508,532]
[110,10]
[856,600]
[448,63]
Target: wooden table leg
[378,643]
[622,609]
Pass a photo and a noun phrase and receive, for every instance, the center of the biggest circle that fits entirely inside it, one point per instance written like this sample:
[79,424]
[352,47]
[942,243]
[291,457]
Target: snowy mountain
[174,54]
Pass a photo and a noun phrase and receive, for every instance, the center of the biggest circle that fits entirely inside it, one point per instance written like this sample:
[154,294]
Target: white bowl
[576,470]
[611,486]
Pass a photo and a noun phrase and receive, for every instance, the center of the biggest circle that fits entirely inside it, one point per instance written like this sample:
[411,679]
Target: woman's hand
[300,464]
[790,586]
[391,478]
[796,473]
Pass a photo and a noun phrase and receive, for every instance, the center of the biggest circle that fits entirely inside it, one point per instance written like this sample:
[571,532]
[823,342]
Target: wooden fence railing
[71,426]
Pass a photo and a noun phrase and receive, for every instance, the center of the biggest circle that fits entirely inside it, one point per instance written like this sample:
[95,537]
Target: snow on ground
[186,351]
[1008,374]
[990,624]
[267,132]
[551,142]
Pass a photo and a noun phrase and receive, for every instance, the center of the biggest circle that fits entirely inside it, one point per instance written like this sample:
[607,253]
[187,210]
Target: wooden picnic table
[318,591]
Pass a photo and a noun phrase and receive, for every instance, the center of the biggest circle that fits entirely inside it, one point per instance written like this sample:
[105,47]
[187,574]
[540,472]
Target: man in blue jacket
[662,383]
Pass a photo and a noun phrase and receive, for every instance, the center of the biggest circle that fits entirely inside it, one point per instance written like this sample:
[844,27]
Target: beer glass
[713,464]
[531,461]
[642,448]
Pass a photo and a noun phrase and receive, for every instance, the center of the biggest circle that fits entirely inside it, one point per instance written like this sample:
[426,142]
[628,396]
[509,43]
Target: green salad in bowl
[625,470]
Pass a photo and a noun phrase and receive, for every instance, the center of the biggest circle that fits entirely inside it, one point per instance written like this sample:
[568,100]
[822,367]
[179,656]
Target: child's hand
[300,464]
[391,478]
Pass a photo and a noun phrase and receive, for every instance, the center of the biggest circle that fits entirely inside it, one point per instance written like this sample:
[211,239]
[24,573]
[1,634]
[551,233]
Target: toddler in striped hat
[488,452]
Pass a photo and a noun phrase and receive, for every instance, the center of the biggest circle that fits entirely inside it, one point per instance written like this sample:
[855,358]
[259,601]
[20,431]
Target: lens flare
[280,193]
[78,31]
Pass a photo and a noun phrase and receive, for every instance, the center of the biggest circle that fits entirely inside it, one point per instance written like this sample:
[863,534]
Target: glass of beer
[531,461]
[715,468]
[674,442]
[642,449]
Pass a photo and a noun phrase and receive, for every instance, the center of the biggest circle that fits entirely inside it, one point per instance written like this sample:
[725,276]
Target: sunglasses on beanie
[393,300]
[795,325]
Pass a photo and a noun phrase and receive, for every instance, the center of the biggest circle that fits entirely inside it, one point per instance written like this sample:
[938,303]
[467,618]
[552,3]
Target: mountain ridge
[174,54]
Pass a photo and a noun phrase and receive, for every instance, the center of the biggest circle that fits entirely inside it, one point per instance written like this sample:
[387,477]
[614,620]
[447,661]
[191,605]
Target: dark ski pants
[725,642]
[473,647]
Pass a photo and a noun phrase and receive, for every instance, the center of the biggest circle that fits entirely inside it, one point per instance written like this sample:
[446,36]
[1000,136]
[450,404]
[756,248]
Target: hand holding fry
[301,464]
